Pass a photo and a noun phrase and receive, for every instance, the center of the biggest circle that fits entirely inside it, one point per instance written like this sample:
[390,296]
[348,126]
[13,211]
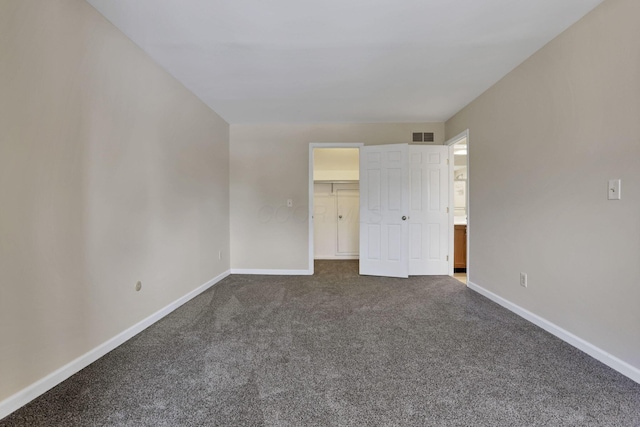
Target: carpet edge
[581,344]
[36,389]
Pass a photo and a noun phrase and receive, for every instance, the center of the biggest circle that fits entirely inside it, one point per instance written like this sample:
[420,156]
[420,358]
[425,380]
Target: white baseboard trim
[333,258]
[597,353]
[271,272]
[26,395]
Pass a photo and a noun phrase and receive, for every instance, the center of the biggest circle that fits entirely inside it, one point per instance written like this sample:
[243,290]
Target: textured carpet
[336,349]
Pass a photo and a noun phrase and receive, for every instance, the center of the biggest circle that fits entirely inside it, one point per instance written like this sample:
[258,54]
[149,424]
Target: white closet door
[429,219]
[384,185]
[348,215]
[324,222]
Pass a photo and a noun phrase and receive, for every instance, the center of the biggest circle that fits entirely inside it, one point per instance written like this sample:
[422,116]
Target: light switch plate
[523,280]
[614,189]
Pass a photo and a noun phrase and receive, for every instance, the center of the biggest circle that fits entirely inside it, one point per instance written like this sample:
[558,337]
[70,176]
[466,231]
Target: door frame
[451,142]
[312,146]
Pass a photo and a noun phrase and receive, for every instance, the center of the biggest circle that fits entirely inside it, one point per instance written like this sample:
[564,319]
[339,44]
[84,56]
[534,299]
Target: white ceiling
[303,61]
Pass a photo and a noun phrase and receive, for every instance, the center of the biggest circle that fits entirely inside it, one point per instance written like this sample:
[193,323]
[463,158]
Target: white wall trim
[26,395]
[597,353]
[338,257]
[459,137]
[272,272]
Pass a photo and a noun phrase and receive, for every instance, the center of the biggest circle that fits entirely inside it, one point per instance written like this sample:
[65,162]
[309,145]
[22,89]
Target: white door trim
[450,143]
[312,146]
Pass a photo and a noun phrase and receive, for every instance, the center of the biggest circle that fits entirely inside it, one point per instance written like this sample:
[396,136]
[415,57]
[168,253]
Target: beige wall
[110,172]
[270,164]
[336,164]
[544,141]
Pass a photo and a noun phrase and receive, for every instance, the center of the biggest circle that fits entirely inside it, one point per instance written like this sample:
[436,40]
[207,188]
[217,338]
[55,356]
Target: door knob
[404,218]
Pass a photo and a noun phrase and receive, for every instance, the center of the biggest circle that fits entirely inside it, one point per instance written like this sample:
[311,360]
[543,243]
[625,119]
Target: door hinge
[447,257]
[447,161]
[447,210]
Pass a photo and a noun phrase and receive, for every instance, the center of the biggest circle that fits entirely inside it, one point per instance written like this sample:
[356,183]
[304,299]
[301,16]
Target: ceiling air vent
[423,137]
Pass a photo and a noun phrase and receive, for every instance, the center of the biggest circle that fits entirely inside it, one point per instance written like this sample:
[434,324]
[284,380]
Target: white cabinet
[336,219]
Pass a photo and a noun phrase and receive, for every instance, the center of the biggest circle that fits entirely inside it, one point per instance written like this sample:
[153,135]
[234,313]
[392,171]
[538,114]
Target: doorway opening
[334,201]
[459,223]
[407,226]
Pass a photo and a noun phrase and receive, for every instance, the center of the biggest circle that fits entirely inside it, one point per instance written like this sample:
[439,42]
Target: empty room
[340,213]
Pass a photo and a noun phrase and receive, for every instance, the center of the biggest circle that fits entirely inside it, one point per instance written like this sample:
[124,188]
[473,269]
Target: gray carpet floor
[337,349]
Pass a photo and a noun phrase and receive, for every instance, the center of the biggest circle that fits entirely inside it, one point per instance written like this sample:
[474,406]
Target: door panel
[324,225]
[395,243]
[348,202]
[429,219]
[434,242]
[374,189]
[374,241]
[394,196]
[415,237]
[384,192]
